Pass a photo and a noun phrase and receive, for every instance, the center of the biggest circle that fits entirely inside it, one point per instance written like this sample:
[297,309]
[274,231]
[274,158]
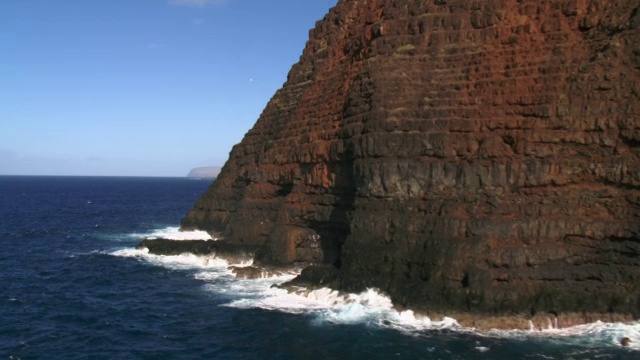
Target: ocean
[73,286]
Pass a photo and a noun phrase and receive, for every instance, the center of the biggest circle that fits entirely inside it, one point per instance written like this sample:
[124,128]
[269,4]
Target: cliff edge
[471,156]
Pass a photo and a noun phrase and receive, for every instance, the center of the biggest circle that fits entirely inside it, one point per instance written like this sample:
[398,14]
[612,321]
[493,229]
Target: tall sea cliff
[481,157]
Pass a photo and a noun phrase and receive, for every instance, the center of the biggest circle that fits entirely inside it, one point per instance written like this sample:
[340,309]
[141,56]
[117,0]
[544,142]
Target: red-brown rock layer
[477,156]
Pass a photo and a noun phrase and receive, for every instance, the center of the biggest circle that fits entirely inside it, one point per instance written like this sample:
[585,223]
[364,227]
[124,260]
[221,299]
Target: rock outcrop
[471,156]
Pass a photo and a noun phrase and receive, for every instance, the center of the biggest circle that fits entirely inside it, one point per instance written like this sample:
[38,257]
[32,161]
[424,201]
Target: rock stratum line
[478,157]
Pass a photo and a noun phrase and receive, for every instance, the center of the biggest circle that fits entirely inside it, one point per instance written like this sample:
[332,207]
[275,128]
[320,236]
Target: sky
[140,87]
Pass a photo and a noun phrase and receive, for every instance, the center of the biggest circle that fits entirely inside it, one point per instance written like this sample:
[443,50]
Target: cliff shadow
[336,229]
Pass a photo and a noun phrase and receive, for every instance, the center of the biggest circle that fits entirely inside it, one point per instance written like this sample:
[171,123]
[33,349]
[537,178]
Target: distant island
[204,172]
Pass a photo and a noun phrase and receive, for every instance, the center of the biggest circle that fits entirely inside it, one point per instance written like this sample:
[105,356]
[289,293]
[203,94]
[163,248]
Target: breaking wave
[174,233]
[369,307]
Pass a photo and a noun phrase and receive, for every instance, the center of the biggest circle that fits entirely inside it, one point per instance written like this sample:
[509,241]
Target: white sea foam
[595,334]
[369,307]
[332,306]
[183,261]
[248,290]
[174,233]
[372,307]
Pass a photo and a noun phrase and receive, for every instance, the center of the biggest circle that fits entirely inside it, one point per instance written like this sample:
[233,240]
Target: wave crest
[174,233]
[370,307]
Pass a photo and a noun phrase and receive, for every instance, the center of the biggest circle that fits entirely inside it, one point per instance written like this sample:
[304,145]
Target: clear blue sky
[139,87]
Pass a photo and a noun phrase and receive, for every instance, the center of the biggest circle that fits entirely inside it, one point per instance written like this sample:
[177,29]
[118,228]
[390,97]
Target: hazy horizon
[145,88]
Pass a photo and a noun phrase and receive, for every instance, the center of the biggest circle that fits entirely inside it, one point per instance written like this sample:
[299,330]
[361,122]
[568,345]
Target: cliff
[473,156]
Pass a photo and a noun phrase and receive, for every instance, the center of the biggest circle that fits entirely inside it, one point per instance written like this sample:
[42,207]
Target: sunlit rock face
[479,156]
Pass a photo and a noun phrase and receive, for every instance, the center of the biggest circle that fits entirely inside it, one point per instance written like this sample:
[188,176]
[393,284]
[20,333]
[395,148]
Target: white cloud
[197,3]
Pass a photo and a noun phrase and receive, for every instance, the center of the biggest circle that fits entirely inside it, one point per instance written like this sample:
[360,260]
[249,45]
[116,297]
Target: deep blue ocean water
[73,287]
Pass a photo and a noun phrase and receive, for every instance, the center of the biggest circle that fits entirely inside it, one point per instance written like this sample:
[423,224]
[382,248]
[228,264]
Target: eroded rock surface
[476,156]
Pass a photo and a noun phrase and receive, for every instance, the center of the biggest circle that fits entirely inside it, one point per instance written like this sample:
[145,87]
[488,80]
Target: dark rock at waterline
[256,272]
[472,156]
[625,341]
[177,247]
[315,276]
[230,251]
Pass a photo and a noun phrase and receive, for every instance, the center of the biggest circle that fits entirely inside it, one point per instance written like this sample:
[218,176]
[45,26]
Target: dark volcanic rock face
[478,156]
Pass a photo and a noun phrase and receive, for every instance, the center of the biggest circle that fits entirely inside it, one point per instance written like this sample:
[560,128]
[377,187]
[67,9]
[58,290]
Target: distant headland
[204,172]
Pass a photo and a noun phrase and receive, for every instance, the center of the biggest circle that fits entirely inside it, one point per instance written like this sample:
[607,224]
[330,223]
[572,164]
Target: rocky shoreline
[221,249]
[314,277]
[474,157]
